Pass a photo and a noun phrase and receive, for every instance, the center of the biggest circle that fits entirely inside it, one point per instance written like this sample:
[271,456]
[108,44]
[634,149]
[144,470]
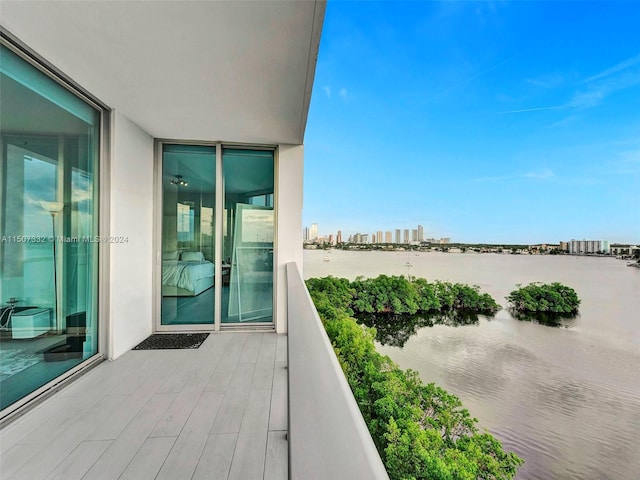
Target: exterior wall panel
[131,261]
[289,186]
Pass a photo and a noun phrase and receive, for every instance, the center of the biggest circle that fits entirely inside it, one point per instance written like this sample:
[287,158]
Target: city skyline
[411,235]
[574,245]
[495,122]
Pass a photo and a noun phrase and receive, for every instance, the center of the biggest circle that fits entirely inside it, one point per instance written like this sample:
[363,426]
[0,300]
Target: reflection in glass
[188,205]
[247,294]
[48,215]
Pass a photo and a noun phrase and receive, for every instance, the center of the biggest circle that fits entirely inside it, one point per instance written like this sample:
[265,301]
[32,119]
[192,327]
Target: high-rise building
[414,235]
[339,237]
[313,232]
[387,237]
[398,238]
[406,235]
[379,238]
[420,233]
[581,247]
[305,234]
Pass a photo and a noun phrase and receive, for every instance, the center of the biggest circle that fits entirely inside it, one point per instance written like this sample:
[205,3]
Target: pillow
[192,256]
[170,255]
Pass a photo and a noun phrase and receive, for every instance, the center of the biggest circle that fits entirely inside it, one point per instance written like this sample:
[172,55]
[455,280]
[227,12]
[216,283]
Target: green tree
[544,298]
[421,431]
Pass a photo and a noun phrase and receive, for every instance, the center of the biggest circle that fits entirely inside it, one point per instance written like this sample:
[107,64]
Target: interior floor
[199,310]
[24,365]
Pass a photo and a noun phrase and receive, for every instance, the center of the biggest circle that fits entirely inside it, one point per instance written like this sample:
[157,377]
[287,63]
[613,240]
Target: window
[49,157]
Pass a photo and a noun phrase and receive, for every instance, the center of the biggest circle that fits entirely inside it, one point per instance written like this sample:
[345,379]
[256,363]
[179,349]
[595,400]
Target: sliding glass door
[236,266]
[248,235]
[49,186]
[188,234]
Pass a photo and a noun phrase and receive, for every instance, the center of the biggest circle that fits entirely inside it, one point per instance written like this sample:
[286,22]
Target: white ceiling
[234,71]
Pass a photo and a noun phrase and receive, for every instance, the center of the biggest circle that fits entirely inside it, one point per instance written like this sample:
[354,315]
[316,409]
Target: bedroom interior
[189,240]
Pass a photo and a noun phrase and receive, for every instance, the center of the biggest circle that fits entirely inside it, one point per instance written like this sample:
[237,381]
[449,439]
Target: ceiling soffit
[207,70]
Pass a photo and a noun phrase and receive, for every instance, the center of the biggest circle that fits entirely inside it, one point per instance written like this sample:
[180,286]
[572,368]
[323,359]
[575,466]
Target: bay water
[565,398]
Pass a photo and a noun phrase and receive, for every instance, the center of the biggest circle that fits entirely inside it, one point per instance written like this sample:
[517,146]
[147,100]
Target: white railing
[328,438]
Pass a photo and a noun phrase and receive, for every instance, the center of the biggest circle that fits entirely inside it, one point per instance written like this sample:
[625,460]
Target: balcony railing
[328,437]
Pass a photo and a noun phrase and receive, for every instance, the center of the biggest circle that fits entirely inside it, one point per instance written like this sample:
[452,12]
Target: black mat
[164,341]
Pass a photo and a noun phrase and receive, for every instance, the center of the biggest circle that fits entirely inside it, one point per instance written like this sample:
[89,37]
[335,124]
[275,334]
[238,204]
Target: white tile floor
[216,412]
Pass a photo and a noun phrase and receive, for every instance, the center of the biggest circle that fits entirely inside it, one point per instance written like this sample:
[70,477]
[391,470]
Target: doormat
[165,341]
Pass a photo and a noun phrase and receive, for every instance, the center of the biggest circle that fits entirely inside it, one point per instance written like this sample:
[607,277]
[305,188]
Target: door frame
[217,324]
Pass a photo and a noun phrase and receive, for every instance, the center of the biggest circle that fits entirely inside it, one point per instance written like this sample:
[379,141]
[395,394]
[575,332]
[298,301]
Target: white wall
[131,215]
[289,223]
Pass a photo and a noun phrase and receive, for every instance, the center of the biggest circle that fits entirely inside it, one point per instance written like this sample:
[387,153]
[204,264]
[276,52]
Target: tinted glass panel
[48,226]
[188,228]
[247,294]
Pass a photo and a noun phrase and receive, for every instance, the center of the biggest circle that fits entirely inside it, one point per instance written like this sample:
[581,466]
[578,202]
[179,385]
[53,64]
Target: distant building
[339,237]
[620,249]
[398,237]
[313,232]
[414,235]
[406,235]
[387,237]
[420,233]
[305,234]
[583,247]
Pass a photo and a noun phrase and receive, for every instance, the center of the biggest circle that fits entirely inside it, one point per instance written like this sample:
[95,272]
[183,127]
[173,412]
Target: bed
[185,274]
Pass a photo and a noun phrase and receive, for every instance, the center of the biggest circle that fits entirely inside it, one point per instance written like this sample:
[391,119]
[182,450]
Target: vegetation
[419,247]
[397,295]
[421,431]
[552,298]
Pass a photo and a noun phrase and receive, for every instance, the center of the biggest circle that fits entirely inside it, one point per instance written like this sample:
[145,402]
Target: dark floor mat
[165,341]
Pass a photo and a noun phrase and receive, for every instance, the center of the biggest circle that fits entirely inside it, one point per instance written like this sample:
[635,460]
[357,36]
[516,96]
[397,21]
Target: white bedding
[176,273]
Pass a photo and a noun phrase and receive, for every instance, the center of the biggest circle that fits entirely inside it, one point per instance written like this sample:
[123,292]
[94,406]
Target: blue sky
[504,121]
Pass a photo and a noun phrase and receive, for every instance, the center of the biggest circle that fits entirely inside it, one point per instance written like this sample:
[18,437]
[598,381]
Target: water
[565,399]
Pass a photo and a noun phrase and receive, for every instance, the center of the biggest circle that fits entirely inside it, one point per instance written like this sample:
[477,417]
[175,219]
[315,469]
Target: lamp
[177,180]
[53,208]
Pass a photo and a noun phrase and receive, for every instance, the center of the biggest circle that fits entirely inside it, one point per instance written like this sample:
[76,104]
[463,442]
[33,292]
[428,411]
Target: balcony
[230,409]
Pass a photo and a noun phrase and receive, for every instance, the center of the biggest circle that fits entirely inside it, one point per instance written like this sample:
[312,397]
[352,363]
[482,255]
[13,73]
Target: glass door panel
[188,240]
[48,259]
[247,270]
